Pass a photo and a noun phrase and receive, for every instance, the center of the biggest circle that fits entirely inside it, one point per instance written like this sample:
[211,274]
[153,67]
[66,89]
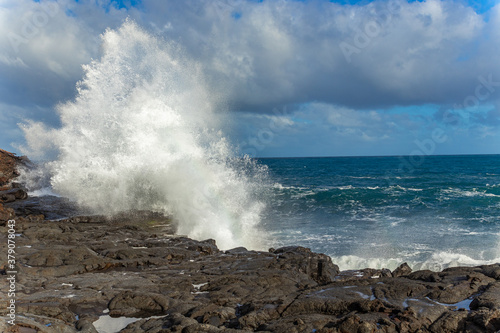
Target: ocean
[432,212]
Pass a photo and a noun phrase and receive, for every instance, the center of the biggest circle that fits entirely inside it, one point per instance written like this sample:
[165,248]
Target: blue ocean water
[429,211]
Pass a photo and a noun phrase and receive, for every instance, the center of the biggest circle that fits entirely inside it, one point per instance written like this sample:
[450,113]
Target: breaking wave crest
[436,261]
[142,134]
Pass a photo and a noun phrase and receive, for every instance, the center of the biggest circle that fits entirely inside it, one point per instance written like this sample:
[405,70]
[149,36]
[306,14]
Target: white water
[142,134]
[435,262]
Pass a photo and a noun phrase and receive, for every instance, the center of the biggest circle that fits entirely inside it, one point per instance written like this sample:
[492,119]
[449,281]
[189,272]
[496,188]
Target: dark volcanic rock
[402,270]
[489,299]
[13,195]
[318,266]
[52,207]
[74,270]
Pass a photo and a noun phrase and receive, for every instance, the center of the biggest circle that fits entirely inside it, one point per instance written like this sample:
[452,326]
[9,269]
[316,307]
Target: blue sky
[299,78]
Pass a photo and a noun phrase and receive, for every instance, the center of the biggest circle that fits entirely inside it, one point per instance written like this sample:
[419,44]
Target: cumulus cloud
[279,51]
[276,52]
[259,55]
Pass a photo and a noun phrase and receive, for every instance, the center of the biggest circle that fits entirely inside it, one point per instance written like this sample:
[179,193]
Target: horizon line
[344,156]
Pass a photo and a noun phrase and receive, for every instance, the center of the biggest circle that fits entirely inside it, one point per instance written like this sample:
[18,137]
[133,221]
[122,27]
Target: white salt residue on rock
[197,288]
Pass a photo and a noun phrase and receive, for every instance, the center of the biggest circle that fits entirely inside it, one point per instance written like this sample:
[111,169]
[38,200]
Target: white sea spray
[142,133]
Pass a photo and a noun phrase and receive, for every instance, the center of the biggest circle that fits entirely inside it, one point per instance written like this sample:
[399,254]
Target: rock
[129,303]
[13,195]
[238,250]
[74,269]
[425,275]
[170,323]
[213,314]
[85,325]
[5,198]
[9,164]
[5,214]
[402,270]
[350,324]
[52,207]
[318,266]
[492,271]
[485,320]
[490,298]
[450,322]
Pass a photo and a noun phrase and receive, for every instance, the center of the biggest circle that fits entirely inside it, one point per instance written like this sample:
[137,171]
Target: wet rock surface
[72,271]
[131,273]
[50,206]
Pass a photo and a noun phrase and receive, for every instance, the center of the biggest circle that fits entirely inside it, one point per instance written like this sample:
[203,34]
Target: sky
[299,78]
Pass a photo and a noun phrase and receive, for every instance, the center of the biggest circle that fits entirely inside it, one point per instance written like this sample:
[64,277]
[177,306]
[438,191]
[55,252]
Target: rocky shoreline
[131,273]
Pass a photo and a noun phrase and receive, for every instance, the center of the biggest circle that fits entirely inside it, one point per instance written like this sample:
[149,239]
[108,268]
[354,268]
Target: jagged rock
[425,275]
[13,195]
[238,250]
[492,271]
[450,322]
[213,314]
[5,214]
[318,266]
[9,163]
[402,270]
[130,303]
[173,322]
[490,298]
[486,319]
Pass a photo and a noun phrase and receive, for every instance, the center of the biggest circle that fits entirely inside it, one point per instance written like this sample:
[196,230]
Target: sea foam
[142,133]
[435,262]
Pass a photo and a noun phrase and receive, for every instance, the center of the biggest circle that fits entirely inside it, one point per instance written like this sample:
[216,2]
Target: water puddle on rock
[108,324]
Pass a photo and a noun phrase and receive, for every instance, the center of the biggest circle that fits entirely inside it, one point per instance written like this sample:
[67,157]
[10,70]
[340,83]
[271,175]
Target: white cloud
[262,55]
[280,51]
[12,62]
